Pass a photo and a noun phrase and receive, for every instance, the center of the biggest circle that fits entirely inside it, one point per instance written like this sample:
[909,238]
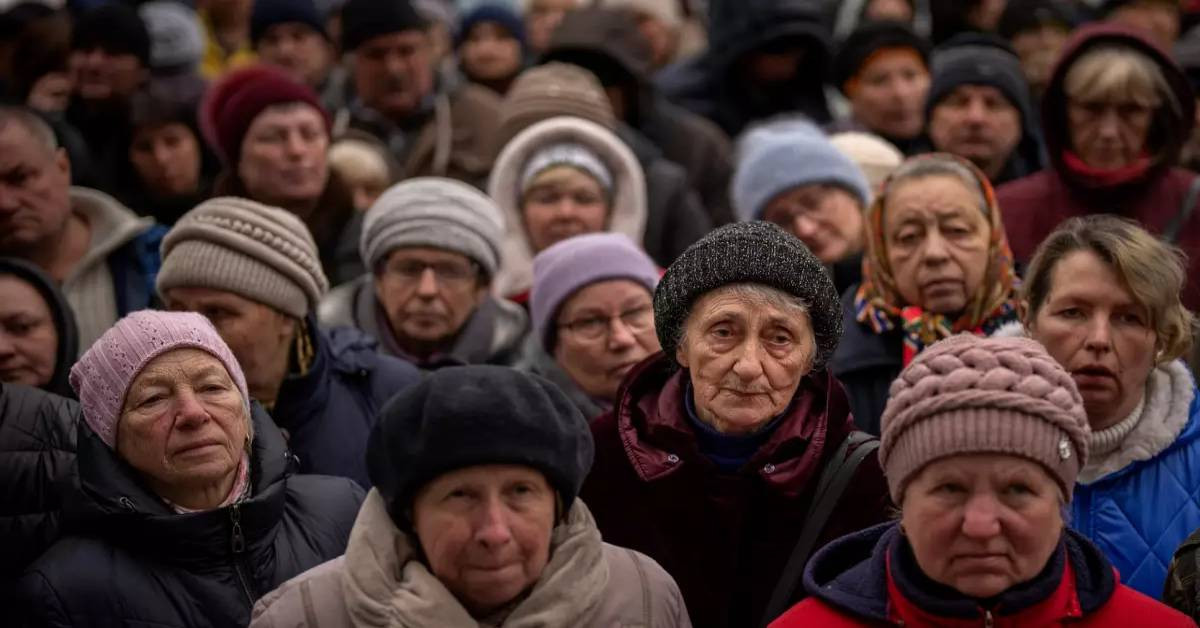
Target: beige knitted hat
[968,394]
[551,90]
[259,252]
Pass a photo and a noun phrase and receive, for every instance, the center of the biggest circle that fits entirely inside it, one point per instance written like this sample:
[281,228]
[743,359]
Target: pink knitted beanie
[102,376]
[968,394]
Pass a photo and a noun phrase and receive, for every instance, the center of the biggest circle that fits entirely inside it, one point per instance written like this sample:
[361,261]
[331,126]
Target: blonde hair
[359,163]
[1151,270]
[1110,73]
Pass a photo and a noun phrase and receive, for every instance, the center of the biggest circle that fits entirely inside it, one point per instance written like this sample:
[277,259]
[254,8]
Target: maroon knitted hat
[233,102]
[968,394]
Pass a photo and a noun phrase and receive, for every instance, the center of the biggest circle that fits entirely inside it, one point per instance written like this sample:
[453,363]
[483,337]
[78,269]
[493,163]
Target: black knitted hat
[748,252]
[870,37]
[366,19]
[475,415]
[115,28]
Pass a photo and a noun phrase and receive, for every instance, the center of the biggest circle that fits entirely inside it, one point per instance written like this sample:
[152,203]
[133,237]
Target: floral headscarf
[878,303]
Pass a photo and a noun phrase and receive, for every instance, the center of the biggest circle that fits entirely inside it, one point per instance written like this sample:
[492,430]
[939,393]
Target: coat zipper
[238,545]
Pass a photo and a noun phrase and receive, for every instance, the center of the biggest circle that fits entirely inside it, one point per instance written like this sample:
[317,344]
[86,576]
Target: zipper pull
[127,504]
[237,542]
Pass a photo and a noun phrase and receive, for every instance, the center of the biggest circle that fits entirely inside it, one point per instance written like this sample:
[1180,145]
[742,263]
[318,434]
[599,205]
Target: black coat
[130,560]
[37,456]
[866,363]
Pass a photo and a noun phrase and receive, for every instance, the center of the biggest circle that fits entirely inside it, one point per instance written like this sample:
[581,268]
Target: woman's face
[1098,332]
[283,158]
[167,159]
[184,425]
[1108,134]
[982,523]
[826,218]
[561,203]
[936,238]
[28,339]
[485,532]
[603,331]
[890,96]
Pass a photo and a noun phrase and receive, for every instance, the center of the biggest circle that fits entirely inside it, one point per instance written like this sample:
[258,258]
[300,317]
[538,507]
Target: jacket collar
[302,397]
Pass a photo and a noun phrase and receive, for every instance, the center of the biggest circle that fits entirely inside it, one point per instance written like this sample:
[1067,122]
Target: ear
[681,356]
[62,162]
[1023,314]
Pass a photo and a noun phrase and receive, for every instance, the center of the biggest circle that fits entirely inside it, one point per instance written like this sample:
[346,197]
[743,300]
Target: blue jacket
[1138,515]
[329,411]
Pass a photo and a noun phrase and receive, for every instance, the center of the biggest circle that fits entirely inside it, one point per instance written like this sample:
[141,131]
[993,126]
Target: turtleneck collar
[1105,441]
[729,452]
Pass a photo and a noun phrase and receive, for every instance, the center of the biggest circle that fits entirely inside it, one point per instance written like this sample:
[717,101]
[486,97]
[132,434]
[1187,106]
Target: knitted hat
[268,13]
[466,416]
[505,16]
[233,103]
[114,28]
[571,154]
[103,374]
[236,245]
[968,394]
[749,252]
[875,156]
[869,38]
[773,161]
[606,42]
[367,19]
[435,212]
[978,59]
[549,91]
[1025,15]
[566,267]
[176,36]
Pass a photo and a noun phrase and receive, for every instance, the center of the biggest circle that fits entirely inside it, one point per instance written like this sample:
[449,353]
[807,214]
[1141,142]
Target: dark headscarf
[64,321]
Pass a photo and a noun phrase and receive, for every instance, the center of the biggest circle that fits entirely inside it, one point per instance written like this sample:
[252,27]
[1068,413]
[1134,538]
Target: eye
[1018,489]
[1073,313]
[151,400]
[1130,318]
[722,331]
[950,488]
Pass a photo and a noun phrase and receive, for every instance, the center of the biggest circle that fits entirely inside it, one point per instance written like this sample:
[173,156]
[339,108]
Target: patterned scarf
[878,303]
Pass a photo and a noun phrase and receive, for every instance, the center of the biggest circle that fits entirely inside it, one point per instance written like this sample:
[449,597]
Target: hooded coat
[60,312]
[129,559]
[1035,205]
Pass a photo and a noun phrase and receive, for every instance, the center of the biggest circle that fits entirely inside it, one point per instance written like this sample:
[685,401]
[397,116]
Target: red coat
[724,537]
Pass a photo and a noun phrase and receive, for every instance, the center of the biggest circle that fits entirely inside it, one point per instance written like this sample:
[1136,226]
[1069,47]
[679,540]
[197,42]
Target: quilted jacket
[1138,514]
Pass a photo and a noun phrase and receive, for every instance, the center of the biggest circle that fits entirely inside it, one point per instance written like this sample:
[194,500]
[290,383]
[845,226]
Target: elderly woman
[1102,295]
[474,521]
[720,442]
[593,316]
[982,444]
[1115,117]
[563,177]
[39,339]
[188,509]
[272,135]
[937,264]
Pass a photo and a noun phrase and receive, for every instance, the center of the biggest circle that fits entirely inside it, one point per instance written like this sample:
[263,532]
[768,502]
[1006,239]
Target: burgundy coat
[1035,205]
[725,538]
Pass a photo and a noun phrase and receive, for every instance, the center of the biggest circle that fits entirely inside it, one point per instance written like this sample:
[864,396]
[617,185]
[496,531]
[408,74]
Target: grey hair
[759,294]
[32,123]
[940,166]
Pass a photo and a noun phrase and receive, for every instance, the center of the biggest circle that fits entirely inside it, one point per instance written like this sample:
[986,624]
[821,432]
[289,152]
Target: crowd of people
[599,313]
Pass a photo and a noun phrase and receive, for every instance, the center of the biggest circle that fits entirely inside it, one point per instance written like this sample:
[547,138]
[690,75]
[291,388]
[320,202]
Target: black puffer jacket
[37,455]
[129,560]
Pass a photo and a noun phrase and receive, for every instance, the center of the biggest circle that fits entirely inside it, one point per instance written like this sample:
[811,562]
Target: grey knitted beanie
[265,254]
[968,394]
[435,212]
[749,252]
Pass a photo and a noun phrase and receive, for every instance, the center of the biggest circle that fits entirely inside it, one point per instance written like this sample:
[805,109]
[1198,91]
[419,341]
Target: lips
[1094,376]
[193,447]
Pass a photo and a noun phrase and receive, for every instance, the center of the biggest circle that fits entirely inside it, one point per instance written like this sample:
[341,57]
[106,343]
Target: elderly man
[980,109]
[102,255]
[720,443]
[432,247]
[430,129]
[291,34]
[254,271]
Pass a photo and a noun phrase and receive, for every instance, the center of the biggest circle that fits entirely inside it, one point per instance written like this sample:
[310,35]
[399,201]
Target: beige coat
[379,583]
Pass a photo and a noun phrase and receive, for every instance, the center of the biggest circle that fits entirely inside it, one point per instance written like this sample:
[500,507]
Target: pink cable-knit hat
[968,394]
[102,376]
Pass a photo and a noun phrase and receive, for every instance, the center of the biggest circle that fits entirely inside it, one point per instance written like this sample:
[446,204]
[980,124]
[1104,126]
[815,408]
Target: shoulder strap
[834,479]
[1170,233]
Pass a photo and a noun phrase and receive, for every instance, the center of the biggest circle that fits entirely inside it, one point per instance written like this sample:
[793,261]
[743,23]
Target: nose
[493,529]
[749,366]
[427,285]
[162,154]
[804,226]
[189,412]
[620,336]
[1099,336]
[981,518]
[1109,125]
[393,64]
[934,251]
[295,144]
[976,112]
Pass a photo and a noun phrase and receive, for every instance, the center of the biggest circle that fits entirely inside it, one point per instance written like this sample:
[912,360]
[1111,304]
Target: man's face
[34,192]
[100,75]
[428,294]
[393,73]
[301,51]
[978,123]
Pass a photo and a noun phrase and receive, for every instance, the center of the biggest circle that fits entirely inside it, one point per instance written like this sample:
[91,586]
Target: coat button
[672,459]
[769,468]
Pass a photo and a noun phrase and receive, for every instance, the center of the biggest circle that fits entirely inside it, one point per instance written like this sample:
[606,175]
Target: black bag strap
[833,482]
[1170,233]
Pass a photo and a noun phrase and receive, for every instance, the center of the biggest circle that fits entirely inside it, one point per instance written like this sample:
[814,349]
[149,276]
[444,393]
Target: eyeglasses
[445,272]
[638,320]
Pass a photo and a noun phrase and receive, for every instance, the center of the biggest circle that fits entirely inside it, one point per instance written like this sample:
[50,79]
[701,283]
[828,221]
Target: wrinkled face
[283,157]
[28,339]
[428,293]
[1159,20]
[393,73]
[51,92]
[604,330]
[167,159]
[746,358]
[541,18]
[35,183]
[1092,325]
[982,523]
[259,336]
[978,123]
[937,242]
[826,218]
[1039,49]
[184,423]
[101,76]
[485,531]
[490,53]
[896,10]
[890,95]
[562,203]
[301,51]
